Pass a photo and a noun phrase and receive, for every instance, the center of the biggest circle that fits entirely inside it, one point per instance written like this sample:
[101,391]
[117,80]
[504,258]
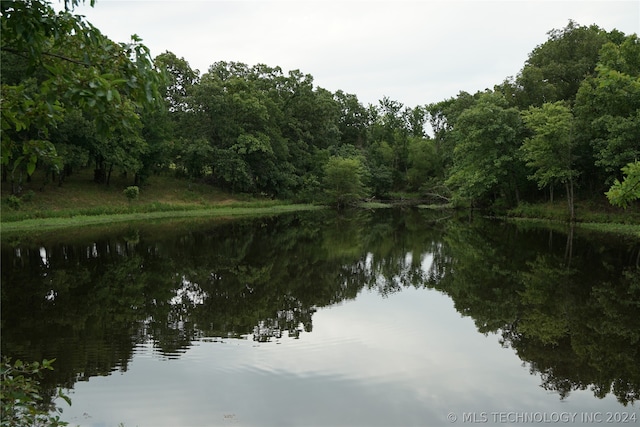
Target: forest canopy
[569,121]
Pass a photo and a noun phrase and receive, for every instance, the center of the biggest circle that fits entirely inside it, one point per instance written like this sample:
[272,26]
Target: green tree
[344,181]
[391,125]
[236,122]
[380,163]
[309,123]
[194,158]
[550,151]
[74,140]
[157,132]
[175,134]
[626,191]
[555,69]
[423,162]
[353,119]
[416,120]
[608,110]
[272,128]
[485,162]
[442,118]
[70,64]
[180,80]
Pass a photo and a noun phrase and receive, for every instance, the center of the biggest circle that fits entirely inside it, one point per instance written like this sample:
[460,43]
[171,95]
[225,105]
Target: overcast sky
[415,52]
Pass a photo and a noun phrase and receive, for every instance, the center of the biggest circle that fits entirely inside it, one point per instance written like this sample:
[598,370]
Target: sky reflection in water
[387,310]
[408,359]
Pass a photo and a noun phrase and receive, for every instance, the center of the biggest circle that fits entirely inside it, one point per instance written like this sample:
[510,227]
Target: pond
[391,317]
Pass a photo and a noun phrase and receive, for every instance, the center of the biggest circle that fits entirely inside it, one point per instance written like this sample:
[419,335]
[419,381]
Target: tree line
[569,121]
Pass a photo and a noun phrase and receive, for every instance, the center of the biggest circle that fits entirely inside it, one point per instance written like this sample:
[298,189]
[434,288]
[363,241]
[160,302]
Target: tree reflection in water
[567,304]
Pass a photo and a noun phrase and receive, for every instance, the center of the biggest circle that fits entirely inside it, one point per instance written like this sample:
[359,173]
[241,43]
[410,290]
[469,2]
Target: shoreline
[247,209]
[62,222]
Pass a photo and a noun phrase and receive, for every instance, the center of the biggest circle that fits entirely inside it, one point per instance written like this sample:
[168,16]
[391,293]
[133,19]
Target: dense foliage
[569,120]
[69,94]
[21,395]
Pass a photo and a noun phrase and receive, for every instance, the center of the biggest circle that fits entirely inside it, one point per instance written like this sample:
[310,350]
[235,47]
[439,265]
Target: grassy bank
[81,202]
[586,211]
[590,215]
[79,195]
[85,220]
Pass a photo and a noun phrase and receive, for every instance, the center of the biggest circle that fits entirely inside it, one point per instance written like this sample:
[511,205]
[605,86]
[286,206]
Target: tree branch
[53,55]
[64,58]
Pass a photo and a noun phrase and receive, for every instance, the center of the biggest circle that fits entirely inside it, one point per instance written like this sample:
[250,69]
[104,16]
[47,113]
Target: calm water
[383,318]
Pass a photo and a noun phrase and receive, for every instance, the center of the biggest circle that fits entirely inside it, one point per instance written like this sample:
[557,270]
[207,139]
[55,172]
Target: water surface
[392,317]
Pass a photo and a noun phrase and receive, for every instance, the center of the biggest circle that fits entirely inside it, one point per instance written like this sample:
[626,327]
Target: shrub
[132,192]
[22,403]
[28,196]
[343,181]
[14,202]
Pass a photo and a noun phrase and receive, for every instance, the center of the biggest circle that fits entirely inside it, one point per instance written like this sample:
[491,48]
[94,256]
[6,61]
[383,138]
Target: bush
[28,196]
[132,192]
[343,181]
[14,202]
[21,396]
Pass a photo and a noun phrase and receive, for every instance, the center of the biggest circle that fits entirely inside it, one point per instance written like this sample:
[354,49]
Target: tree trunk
[568,250]
[109,174]
[16,187]
[569,189]
[99,173]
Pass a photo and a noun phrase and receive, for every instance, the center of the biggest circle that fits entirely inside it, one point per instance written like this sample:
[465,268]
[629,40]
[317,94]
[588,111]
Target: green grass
[81,202]
[374,205]
[79,195]
[630,230]
[437,207]
[586,211]
[40,224]
[626,229]
[403,195]
[597,216]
